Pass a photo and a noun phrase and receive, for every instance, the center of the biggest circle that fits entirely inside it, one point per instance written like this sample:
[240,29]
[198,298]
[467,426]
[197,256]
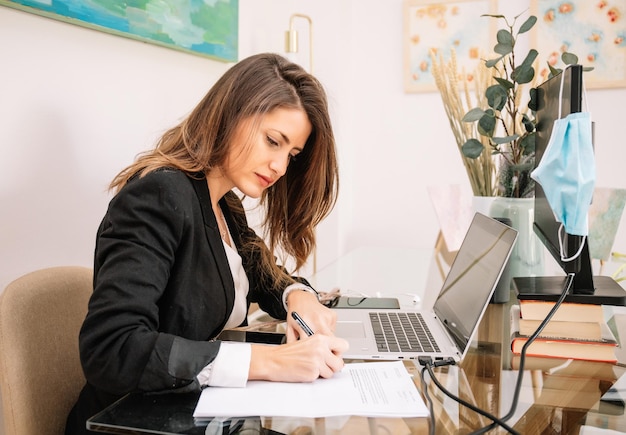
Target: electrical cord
[431,426]
[520,371]
[355,304]
[428,365]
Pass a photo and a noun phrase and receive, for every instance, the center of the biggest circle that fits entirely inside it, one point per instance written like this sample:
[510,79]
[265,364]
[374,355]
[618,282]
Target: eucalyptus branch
[500,126]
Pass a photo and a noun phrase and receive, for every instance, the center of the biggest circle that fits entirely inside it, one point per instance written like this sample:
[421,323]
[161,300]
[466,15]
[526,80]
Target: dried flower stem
[482,170]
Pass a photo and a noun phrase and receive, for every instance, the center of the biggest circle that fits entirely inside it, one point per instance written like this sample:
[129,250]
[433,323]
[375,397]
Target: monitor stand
[603,290]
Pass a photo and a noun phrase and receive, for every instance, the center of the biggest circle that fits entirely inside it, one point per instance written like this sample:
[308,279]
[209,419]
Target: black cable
[520,371]
[355,304]
[431,410]
[428,364]
[496,420]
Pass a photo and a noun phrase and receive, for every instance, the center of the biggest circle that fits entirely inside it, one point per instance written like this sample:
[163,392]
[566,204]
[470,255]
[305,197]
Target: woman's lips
[265,181]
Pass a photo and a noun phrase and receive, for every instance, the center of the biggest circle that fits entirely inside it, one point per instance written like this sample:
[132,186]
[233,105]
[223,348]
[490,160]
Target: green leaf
[533,104]
[496,97]
[504,37]
[553,71]
[503,140]
[487,125]
[528,24]
[528,143]
[505,42]
[503,49]
[505,83]
[569,58]
[472,148]
[525,72]
[473,115]
[529,124]
[493,62]
[530,57]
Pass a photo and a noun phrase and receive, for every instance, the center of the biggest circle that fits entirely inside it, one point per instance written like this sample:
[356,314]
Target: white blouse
[232,363]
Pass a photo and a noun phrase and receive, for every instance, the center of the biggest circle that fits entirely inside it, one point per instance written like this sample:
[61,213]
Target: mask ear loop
[577,254]
[561,227]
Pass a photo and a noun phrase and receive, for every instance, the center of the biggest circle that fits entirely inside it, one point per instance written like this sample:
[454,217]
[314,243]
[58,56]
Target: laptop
[449,326]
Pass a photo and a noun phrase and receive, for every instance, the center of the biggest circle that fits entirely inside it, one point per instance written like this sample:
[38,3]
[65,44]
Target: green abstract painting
[605,214]
[203,27]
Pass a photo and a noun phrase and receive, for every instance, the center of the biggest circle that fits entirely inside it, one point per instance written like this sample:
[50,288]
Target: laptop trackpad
[350,329]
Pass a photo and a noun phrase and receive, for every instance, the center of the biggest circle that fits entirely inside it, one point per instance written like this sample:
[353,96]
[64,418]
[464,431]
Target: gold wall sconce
[291,37]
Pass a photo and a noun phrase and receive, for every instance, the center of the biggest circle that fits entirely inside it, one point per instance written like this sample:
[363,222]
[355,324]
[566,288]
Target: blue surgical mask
[567,171]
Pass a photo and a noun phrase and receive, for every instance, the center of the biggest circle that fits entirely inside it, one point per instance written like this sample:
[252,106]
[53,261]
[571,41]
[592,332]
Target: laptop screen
[473,277]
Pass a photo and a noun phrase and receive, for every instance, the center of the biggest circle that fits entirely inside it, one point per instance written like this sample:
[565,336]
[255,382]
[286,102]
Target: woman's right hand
[304,360]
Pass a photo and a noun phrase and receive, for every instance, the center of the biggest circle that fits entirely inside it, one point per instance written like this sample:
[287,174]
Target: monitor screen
[585,288]
[548,99]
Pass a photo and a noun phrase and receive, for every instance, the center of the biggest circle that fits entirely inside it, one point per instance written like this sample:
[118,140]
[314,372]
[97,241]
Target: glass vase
[527,256]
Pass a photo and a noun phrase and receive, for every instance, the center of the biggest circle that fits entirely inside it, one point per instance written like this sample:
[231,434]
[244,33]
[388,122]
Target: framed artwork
[605,214]
[441,26]
[205,28]
[595,31]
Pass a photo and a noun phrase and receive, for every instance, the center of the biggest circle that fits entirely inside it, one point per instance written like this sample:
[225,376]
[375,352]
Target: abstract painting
[595,31]
[442,25]
[203,27]
[605,214]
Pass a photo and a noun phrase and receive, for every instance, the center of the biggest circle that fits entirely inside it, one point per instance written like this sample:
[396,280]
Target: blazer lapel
[215,242]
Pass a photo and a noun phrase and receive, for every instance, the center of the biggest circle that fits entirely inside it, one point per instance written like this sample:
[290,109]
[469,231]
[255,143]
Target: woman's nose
[279,165]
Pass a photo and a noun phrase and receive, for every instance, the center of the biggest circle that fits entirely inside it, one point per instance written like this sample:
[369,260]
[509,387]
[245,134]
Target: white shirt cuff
[297,286]
[230,367]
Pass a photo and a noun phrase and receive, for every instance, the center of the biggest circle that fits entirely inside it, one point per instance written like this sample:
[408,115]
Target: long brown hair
[299,200]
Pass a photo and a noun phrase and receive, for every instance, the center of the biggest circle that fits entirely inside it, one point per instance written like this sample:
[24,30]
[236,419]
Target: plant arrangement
[459,95]
[496,136]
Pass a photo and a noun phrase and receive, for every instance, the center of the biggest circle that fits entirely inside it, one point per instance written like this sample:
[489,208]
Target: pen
[302,324]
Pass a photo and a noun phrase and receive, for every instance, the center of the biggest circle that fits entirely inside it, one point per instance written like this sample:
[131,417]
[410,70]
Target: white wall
[77,105]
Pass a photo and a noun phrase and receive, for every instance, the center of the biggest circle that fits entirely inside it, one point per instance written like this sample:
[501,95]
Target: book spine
[568,312]
[582,331]
[590,355]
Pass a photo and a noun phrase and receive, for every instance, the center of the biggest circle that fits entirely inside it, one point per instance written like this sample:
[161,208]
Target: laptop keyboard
[402,332]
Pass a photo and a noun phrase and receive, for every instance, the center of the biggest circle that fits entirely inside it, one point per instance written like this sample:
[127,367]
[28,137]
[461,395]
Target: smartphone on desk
[252,336]
[367,303]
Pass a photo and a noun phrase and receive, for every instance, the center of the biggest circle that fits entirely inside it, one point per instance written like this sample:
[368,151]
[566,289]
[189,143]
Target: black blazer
[163,289]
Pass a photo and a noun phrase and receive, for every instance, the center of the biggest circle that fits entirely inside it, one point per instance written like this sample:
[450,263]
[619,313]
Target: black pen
[302,324]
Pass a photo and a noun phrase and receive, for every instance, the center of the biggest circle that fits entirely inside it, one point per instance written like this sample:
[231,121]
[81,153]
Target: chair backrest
[40,372]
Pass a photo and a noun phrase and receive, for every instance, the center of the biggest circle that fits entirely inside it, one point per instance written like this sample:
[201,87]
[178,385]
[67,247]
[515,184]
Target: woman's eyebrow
[284,136]
[286,139]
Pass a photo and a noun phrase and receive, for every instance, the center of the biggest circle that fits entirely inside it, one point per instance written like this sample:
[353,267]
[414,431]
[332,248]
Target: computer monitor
[586,288]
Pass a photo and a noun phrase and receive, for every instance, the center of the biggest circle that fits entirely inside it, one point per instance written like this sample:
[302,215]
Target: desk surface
[554,398]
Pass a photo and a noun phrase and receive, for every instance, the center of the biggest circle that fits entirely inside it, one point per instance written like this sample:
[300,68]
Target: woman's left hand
[318,317]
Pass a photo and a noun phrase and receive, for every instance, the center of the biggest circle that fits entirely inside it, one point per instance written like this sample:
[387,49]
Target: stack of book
[576,331]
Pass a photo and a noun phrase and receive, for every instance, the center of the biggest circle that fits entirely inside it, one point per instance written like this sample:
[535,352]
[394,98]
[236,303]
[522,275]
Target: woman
[176,263]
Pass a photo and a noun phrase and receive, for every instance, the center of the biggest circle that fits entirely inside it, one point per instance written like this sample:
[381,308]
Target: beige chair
[40,373]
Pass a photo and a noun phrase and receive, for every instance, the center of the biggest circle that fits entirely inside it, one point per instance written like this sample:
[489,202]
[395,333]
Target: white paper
[372,389]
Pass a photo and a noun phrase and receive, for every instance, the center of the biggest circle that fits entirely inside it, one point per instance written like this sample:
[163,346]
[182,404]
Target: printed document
[371,389]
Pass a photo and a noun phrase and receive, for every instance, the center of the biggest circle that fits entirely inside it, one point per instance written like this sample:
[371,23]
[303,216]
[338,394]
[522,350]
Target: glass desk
[556,396]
